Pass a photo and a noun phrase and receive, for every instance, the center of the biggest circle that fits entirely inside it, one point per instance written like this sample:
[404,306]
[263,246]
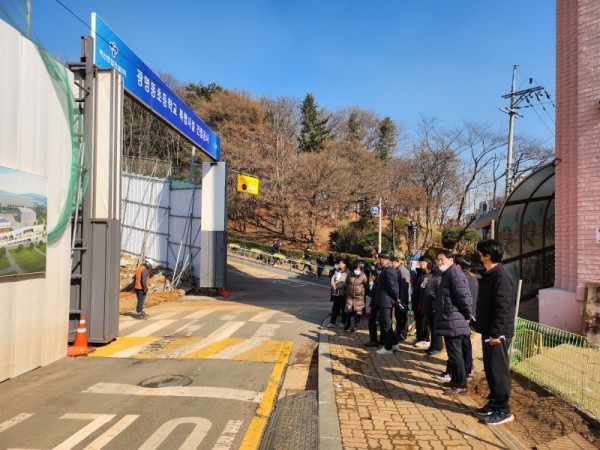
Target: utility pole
[29,19]
[379,241]
[515,98]
[511,131]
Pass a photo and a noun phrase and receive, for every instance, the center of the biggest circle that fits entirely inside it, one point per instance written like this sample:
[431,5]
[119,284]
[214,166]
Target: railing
[298,266]
[563,362]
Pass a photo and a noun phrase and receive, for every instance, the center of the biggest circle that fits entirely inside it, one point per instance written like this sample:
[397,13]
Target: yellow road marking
[169,346]
[257,425]
[122,343]
[266,351]
[217,347]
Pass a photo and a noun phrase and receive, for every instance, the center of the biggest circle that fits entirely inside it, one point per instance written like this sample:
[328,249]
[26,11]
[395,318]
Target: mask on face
[337,266]
[443,267]
[357,272]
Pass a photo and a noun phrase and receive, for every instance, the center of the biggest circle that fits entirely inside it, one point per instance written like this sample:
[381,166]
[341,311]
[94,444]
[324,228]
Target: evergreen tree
[315,128]
[387,139]
[354,129]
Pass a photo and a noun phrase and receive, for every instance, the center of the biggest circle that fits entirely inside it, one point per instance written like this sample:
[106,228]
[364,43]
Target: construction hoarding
[35,138]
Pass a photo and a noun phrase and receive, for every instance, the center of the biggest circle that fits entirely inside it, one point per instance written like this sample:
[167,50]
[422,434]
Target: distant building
[16,201]
[26,216]
[4,225]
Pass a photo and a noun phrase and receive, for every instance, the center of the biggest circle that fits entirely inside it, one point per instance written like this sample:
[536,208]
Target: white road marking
[188,329]
[266,331]
[112,432]
[176,391]
[199,314]
[263,316]
[152,327]
[14,421]
[163,316]
[222,333]
[97,420]
[129,352]
[228,435]
[193,441]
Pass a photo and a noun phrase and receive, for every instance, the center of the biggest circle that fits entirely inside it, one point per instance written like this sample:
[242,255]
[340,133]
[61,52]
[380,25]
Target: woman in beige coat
[357,286]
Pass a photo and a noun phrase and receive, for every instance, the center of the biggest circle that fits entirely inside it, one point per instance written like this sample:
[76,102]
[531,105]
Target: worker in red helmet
[142,274]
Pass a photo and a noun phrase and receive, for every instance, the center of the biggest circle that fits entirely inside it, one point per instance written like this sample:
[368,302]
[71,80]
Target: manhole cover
[166,381]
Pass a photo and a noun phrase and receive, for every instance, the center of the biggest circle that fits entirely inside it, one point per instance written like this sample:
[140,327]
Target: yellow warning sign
[247,184]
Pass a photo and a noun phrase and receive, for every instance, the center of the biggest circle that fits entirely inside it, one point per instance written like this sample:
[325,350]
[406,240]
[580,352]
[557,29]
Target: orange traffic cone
[80,345]
[223,293]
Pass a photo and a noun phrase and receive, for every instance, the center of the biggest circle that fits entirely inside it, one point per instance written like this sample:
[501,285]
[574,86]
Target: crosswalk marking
[209,351]
[223,332]
[266,351]
[152,327]
[124,347]
[263,316]
[165,345]
[265,331]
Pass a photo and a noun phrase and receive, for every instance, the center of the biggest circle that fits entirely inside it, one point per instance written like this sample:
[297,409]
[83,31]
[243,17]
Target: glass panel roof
[524,190]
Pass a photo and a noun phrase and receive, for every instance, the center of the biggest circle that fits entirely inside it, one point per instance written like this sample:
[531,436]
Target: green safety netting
[14,12]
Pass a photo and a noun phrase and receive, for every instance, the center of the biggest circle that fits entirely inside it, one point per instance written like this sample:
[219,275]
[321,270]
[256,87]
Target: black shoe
[498,418]
[455,391]
[433,352]
[354,328]
[371,344]
[485,411]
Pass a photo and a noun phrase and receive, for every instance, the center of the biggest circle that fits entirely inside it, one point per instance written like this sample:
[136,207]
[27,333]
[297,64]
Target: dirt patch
[540,416]
[160,286]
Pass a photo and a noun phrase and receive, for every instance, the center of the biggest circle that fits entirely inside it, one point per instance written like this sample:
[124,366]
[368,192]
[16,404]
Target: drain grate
[166,381]
[294,423]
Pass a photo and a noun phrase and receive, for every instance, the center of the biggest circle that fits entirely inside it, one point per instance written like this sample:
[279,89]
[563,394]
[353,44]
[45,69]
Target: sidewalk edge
[329,425]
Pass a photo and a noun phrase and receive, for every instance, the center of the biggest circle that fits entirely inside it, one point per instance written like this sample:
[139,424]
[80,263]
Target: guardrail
[279,260]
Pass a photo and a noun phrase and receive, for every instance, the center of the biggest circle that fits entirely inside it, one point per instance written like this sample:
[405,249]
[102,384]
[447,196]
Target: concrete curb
[329,425]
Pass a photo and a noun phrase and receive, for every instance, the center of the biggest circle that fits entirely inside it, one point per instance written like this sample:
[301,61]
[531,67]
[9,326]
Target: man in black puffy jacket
[453,305]
[386,295]
[496,322]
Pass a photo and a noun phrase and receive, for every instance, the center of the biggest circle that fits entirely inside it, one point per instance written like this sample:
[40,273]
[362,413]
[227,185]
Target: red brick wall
[577,143]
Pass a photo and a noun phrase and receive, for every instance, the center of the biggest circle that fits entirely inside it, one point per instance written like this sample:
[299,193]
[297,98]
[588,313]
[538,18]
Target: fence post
[512,342]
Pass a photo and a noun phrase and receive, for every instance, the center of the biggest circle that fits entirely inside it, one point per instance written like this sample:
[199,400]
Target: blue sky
[398,58]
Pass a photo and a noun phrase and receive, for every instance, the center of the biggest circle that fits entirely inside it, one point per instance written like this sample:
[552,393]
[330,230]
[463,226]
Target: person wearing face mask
[387,293]
[356,287]
[453,312]
[338,292]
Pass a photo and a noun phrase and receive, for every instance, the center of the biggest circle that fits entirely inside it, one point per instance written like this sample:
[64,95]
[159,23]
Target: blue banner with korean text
[111,52]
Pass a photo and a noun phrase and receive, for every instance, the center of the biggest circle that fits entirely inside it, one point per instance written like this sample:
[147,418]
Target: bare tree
[435,162]
[279,151]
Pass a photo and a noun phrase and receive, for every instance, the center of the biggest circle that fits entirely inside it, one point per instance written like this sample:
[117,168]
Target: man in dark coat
[496,322]
[453,303]
[401,308]
[386,296]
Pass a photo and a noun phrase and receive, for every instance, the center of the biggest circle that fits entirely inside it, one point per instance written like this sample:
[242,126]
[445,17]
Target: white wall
[155,221]
[35,138]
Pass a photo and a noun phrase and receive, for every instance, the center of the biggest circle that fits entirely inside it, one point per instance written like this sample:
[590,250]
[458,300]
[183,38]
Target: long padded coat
[453,304]
[356,289]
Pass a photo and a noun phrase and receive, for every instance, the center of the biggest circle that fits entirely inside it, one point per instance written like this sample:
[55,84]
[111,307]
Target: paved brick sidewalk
[393,401]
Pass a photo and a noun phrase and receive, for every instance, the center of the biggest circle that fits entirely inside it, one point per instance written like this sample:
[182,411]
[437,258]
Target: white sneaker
[443,377]
[422,344]
[383,351]
[396,347]
[330,325]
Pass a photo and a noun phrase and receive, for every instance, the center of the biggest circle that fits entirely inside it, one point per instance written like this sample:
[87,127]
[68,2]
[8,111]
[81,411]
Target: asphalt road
[199,373]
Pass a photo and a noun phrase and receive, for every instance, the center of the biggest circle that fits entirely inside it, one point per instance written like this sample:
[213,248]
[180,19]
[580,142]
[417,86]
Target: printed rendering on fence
[23,220]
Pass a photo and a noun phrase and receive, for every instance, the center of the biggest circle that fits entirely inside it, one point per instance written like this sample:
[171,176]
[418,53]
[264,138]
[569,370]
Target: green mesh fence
[565,363]
[14,12]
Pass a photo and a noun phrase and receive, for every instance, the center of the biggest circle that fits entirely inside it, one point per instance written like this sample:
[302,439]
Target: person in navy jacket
[387,293]
[453,312]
